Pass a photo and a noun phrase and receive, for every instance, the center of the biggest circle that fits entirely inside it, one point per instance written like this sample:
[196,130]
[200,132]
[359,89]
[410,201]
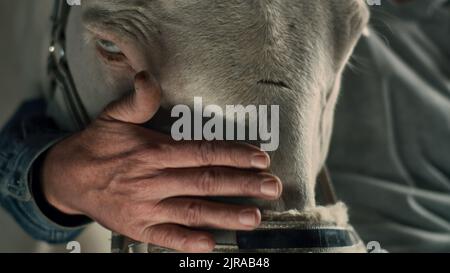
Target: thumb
[139,106]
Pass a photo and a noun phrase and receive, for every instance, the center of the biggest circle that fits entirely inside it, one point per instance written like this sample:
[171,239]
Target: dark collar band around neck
[296,238]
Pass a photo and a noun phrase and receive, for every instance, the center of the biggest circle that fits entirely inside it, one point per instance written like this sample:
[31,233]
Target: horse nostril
[274,83]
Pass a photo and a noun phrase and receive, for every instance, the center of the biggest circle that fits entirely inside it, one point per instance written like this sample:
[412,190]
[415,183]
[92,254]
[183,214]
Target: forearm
[23,143]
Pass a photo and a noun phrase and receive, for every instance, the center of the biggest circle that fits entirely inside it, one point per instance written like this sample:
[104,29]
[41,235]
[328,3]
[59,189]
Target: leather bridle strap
[58,69]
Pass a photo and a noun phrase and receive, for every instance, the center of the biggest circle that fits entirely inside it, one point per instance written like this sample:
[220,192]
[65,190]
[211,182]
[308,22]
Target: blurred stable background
[24,25]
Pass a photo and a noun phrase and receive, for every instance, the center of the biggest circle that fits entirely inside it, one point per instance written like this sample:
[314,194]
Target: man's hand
[144,185]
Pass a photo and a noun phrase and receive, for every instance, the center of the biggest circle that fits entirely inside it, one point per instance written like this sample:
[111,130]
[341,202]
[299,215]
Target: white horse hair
[227,52]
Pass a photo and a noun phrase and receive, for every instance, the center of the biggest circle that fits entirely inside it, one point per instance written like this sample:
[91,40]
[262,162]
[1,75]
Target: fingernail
[249,217]
[270,187]
[204,244]
[260,161]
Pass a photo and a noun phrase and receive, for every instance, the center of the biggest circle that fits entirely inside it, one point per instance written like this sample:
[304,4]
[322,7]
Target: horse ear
[351,22]
[358,18]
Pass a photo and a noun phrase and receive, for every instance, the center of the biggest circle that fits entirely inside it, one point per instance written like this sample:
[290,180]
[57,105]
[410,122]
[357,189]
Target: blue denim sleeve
[27,136]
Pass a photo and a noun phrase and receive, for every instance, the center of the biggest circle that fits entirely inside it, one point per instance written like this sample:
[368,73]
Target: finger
[139,106]
[216,181]
[201,213]
[179,238]
[187,154]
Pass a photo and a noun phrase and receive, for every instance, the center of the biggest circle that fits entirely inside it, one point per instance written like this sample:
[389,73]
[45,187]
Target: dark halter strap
[58,69]
[312,238]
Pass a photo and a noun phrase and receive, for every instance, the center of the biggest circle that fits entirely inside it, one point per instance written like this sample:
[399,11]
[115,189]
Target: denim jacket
[23,140]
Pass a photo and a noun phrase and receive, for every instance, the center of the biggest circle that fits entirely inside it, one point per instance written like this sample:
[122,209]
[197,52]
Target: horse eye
[109,47]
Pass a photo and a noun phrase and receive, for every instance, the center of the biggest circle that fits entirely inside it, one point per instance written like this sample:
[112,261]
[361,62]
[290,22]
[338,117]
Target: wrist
[45,171]
[47,202]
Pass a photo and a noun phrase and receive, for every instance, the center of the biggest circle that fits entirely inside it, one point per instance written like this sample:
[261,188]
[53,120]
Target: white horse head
[289,53]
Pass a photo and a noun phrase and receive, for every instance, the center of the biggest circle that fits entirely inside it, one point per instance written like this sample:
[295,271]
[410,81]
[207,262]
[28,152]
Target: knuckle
[168,238]
[193,213]
[247,185]
[159,212]
[144,152]
[208,181]
[162,152]
[207,152]
[234,155]
[149,154]
[150,235]
[160,148]
[178,240]
[137,157]
[148,149]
